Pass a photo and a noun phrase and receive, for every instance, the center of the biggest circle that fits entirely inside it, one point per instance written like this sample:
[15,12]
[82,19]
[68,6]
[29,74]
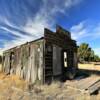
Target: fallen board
[86,85]
[94,87]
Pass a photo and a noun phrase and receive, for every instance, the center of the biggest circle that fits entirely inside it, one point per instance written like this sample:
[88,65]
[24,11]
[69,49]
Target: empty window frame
[65,58]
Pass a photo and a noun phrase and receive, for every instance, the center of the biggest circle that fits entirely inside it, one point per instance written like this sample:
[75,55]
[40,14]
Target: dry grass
[12,80]
[8,86]
[14,88]
[0,67]
[53,89]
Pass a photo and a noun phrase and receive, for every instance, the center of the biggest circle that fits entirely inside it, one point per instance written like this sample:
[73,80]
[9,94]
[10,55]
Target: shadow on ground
[89,72]
[85,73]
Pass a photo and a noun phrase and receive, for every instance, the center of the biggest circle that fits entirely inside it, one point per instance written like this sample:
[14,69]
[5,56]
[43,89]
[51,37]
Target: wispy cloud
[30,16]
[88,31]
[79,31]
[85,30]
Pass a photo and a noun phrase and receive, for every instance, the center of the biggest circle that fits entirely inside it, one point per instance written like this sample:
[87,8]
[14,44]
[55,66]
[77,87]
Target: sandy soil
[89,66]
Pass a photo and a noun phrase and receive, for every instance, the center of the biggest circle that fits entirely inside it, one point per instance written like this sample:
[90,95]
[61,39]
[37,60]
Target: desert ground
[14,88]
[91,66]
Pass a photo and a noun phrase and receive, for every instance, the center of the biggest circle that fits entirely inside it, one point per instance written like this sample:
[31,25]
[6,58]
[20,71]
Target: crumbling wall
[25,61]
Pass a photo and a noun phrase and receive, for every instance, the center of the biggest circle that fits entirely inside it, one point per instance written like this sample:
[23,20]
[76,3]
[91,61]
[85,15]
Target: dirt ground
[14,88]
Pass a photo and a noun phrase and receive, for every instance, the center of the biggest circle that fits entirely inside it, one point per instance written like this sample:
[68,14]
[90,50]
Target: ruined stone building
[51,57]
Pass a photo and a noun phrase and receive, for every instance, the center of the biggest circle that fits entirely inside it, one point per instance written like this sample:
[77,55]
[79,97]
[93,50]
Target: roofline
[24,44]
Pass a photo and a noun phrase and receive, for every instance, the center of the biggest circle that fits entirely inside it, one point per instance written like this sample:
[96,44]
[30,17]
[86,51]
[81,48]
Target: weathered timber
[41,60]
[86,85]
[94,87]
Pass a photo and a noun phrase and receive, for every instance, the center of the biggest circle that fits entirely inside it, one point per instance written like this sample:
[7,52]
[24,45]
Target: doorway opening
[65,62]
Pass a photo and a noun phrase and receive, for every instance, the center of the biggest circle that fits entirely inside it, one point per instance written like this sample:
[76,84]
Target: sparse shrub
[30,86]
[33,87]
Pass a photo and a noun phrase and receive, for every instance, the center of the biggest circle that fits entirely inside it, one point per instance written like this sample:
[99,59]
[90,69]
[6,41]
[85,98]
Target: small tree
[92,55]
[85,53]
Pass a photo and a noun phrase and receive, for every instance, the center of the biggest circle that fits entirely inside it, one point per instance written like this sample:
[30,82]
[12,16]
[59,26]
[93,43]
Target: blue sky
[24,20]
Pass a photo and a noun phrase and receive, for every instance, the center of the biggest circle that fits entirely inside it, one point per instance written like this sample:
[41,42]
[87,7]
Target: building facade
[51,57]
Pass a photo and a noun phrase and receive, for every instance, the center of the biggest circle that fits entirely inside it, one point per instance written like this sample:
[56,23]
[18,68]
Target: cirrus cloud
[25,20]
